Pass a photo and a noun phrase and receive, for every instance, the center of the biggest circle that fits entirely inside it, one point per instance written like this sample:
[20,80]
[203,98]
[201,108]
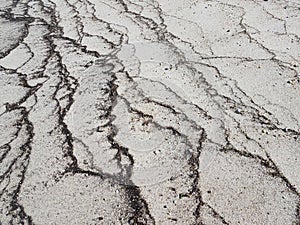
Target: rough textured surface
[149,112]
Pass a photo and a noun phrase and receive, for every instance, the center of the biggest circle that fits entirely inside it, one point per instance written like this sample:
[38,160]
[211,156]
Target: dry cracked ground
[150,112]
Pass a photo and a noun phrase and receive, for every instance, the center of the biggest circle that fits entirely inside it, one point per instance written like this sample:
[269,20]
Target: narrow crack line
[78,21]
[193,159]
[25,32]
[216,214]
[195,163]
[279,174]
[269,164]
[172,108]
[273,58]
[94,17]
[245,60]
[64,80]
[15,209]
[259,117]
[270,14]
[160,127]
[256,114]
[193,69]
[26,148]
[137,203]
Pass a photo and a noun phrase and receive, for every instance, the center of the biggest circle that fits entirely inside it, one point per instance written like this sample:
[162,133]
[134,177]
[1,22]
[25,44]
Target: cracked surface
[149,112]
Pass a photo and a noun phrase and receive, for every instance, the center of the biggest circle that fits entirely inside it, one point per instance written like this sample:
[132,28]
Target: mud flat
[149,112]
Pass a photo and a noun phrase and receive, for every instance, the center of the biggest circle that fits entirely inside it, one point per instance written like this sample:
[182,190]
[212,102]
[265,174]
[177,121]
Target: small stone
[238,111]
